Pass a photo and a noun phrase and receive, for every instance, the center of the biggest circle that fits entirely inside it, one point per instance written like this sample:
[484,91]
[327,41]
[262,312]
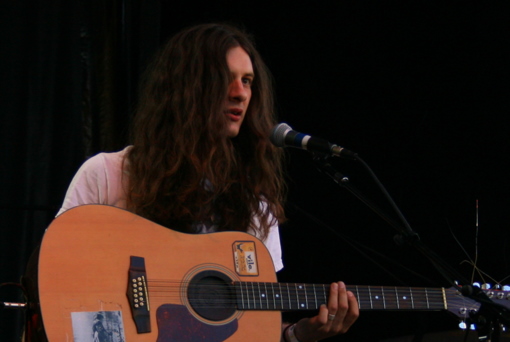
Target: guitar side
[83,273]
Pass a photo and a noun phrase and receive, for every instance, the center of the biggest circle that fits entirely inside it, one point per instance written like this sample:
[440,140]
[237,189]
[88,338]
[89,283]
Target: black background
[418,89]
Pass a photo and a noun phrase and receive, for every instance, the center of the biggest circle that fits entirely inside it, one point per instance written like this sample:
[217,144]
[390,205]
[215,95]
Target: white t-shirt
[99,181]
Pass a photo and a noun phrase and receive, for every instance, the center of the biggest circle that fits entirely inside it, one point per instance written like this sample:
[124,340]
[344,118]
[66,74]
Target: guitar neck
[297,296]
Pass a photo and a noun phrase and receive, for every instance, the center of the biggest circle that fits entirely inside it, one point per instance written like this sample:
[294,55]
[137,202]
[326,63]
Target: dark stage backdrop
[419,90]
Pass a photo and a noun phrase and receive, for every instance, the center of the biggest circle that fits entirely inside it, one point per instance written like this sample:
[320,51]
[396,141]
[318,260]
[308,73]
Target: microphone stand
[489,317]
[324,166]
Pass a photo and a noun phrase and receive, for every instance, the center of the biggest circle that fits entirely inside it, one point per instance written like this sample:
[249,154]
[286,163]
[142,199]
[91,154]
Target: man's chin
[233,130]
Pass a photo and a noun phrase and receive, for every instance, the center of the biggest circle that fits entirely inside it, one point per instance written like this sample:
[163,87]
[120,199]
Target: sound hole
[212,295]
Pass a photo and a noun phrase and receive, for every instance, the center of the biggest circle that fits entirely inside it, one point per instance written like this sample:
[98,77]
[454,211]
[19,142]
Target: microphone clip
[322,161]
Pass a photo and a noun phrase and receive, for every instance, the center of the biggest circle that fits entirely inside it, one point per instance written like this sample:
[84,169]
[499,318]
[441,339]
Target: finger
[333,298]
[342,303]
[322,316]
[353,312]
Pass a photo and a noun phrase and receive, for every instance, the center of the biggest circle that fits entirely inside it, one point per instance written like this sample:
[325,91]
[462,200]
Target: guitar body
[84,280]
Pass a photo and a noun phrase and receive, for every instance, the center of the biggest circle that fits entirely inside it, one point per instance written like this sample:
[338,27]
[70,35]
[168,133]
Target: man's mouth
[234,114]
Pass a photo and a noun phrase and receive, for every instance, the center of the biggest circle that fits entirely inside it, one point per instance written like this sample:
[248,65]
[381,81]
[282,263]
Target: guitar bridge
[138,295]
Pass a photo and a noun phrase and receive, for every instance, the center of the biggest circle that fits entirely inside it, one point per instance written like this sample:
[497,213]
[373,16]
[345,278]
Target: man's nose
[237,91]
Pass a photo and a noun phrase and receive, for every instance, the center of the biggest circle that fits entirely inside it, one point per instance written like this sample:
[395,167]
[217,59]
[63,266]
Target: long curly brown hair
[183,168]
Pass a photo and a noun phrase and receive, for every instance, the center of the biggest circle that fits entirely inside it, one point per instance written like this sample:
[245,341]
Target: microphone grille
[277,136]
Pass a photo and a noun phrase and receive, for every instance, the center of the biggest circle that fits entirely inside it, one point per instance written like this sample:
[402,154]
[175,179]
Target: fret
[420,300]
[290,301]
[312,302]
[364,299]
[247,296]
[383,297]
[279,296]
[357,296]
[297,296]
[271,296]
[240,295]
[378,301]
[305,304]
[242,303]
[434,299]
[248,303]
[390,298]
[437,299]
[301,299]
[255,298]
[325,293]
[370,297]
[244,299]
[262,296]
[405,300]
[252,295]
[316,303]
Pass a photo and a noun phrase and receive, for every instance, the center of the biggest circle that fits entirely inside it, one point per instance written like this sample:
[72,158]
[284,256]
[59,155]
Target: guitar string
[409,292]
[384,291]
[456,308]
[364,305]
[166,290]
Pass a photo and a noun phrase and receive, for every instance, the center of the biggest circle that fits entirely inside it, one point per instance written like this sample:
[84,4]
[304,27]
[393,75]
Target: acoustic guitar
[105,274]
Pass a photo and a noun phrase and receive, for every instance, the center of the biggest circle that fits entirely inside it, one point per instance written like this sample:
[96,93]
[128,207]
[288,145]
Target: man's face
[239,90]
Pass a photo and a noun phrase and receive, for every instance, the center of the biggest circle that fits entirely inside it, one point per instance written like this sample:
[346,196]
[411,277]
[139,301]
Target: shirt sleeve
[89,185]
[272,241]
[274,246]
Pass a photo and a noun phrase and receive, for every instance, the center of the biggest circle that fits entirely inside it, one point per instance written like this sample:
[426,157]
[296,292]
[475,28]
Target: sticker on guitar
[245,258]
[98,326]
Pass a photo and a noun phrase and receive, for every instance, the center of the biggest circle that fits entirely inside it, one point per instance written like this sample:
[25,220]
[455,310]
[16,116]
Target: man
[201,159]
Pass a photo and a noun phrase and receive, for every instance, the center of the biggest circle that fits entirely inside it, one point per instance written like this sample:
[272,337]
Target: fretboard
[295,296]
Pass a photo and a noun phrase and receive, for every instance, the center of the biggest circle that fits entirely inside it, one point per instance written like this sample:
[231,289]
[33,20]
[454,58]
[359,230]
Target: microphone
[283,136]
